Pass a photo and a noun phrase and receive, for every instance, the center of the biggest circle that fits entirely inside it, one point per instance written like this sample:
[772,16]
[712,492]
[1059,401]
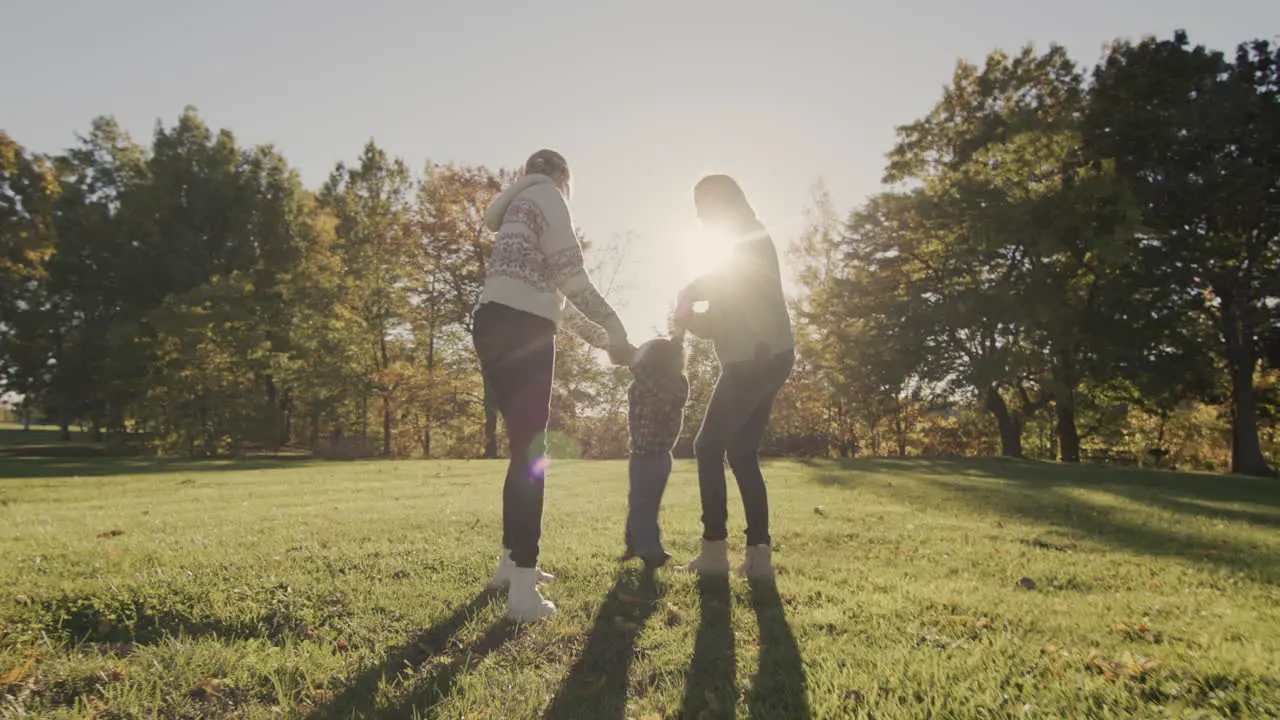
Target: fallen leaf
[595,686]
[624,597]
[117,673]
[985,623]
[820,510]
[1027,583]
[15,675]
[110,534]
[1209,553]
[1050,649]
[1153,586]
[341,645]
[211,685]
[1121,626]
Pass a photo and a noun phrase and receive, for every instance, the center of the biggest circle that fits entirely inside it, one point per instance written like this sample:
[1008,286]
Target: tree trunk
[490,423]
[364,419]
[286,419]
[1010,433]
[274,439]
[64,426]
[386,426]
[1242,361]
[431,366]
[1068,436]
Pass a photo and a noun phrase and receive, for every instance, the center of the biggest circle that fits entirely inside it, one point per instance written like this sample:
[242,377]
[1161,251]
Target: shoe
[502,575]
[713,560]
[524,603]
[653,562]
[758,564]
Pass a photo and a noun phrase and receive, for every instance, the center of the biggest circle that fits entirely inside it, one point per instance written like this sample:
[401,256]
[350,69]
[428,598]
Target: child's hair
[664,355]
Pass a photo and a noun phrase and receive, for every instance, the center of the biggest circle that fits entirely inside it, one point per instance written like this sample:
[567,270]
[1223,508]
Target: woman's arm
[578,324]
[698,323]
[562,253]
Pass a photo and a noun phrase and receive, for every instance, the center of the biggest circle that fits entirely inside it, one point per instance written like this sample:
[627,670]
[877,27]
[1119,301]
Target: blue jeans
[517,354]
[734,425]
[649,475]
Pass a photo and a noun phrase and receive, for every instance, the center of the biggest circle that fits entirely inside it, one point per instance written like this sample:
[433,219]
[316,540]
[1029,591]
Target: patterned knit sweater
[537,262]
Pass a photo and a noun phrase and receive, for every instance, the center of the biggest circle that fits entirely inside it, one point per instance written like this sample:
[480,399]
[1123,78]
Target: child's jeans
[649,475]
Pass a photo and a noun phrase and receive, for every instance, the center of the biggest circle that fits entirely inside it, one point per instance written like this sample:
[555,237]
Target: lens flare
[538,468]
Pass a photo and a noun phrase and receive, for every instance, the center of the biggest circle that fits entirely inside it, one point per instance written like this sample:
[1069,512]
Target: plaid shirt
[656,411]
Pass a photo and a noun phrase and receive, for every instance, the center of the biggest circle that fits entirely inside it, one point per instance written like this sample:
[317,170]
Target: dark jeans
[517,353]
[648,474]
[733,426]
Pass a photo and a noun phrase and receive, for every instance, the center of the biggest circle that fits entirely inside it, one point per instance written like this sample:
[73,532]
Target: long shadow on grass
[711,689]
[1144,484]
[780,688]
[408,664]
[596,687]
[93,467]
[1036,491]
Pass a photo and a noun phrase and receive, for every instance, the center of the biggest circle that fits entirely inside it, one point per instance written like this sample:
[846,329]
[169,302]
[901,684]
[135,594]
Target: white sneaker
[713,560]
[524,602]
[759,563]
[502,575]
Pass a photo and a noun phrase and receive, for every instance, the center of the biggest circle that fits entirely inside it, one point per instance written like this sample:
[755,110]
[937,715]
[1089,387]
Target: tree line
[1067,264]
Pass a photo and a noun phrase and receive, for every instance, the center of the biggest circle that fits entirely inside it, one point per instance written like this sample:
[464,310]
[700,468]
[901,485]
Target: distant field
[137,588]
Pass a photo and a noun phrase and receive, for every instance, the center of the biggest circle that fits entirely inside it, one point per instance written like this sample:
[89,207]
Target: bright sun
[702,251]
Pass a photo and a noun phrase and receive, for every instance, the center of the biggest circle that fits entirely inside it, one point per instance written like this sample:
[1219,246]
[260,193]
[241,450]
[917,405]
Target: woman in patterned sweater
[536,264]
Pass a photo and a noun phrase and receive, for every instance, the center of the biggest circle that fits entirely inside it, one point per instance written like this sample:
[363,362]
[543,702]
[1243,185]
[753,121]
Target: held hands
[621,354]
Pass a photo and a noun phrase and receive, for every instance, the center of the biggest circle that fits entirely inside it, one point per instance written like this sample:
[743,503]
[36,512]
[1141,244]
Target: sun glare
[702,251]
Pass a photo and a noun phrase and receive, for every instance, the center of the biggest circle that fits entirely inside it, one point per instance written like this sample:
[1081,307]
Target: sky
[642,98]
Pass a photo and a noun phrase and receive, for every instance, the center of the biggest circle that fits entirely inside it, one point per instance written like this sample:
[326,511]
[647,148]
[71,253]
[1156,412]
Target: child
[657,398]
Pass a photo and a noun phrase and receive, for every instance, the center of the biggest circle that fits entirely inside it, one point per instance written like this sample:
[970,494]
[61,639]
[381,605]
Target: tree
[28,191]
[28,195]
[372,203]
[1196,138]
[449,268]
[1023,241]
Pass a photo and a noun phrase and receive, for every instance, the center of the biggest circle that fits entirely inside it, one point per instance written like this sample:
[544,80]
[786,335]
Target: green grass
[137,588]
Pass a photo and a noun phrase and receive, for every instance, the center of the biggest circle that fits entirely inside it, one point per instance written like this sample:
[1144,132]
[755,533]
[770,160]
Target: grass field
[907,589]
